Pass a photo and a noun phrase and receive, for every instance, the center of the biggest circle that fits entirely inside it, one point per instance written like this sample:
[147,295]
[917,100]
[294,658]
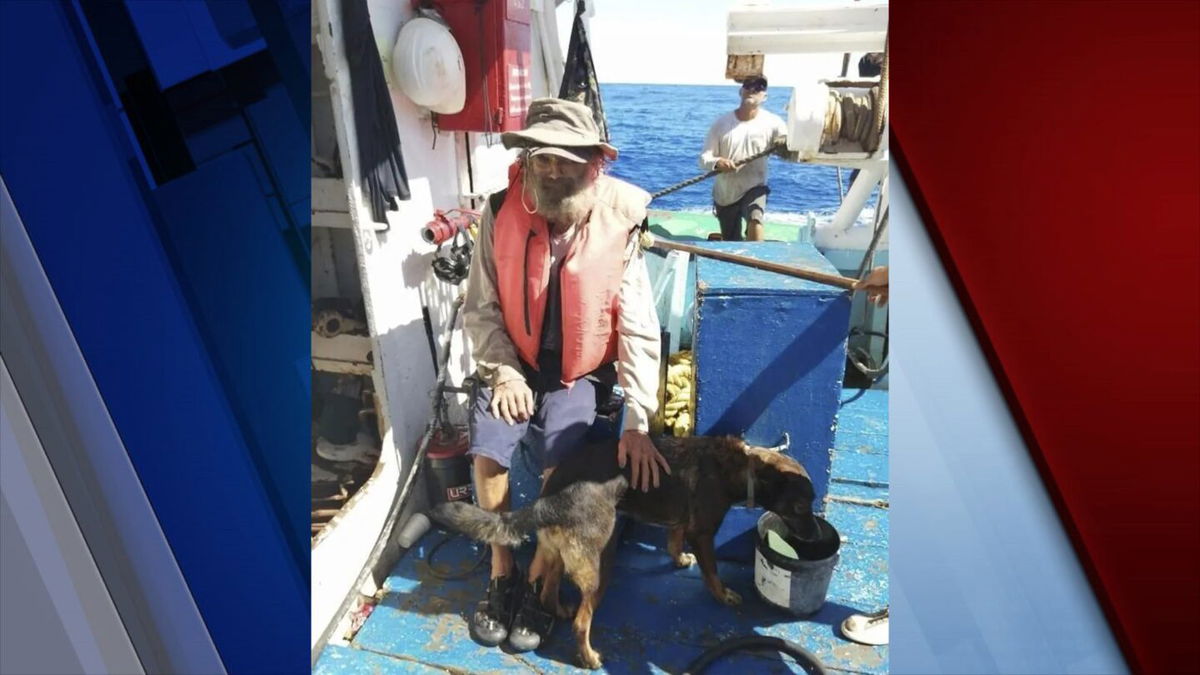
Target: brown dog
[576,513]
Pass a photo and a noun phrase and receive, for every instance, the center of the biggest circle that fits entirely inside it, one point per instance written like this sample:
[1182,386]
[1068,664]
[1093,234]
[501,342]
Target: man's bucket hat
[558,127]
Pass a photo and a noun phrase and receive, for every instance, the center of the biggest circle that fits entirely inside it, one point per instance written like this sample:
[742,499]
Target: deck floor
[653,618]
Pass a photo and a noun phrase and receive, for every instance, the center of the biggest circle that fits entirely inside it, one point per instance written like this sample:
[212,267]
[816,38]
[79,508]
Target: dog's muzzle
[804,528]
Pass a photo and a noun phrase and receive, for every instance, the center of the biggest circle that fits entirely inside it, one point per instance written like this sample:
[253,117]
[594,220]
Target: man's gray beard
[564,210]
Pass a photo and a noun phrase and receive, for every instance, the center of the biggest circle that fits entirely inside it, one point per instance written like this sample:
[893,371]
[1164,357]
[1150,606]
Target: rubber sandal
[867,629]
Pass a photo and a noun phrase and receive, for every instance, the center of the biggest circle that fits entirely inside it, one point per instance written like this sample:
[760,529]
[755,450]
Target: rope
[881,222]
[851,117]
[710,174]
[858,118]
[860,358]
[881,103]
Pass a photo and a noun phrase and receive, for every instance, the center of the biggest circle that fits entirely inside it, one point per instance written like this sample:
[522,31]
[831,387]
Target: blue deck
[653,618]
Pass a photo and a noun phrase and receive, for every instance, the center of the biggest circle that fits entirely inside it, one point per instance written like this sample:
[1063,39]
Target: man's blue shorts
[560,421]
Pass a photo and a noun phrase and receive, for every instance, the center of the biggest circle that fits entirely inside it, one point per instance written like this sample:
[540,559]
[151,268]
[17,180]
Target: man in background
[740,190]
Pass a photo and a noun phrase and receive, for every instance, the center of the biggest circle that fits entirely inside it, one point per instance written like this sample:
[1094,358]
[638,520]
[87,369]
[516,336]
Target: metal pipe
[786,270]
[857,196]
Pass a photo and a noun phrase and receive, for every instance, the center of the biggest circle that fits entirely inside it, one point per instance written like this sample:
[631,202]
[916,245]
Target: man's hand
[512,401]
[636,447]
[725,165]
[876,286]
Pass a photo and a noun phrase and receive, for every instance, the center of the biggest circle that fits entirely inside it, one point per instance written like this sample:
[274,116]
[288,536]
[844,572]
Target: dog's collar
[782,447]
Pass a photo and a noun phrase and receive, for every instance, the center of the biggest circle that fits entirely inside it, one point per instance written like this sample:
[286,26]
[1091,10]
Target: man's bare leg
[491,489]
[754,230]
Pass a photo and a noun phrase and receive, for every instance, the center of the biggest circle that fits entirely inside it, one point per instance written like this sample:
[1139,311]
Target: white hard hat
[428,66]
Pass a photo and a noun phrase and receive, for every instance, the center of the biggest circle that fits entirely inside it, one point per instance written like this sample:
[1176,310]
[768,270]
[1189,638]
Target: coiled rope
[858,117]
[851,117]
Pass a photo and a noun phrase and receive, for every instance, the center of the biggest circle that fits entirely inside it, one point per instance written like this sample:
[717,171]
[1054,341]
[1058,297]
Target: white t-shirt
[735,140]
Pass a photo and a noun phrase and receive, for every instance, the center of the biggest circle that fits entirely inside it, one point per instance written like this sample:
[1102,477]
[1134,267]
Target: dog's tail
[512,527]
[505,529]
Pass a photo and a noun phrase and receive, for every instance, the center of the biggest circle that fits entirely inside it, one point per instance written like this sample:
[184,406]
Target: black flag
[579,78]
[380,161]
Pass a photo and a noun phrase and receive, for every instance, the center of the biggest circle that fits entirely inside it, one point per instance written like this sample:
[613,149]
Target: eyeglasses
[545,163]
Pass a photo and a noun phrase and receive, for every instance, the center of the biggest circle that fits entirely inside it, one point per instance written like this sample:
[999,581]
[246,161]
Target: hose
[809,662]
[453,264]
[483,555]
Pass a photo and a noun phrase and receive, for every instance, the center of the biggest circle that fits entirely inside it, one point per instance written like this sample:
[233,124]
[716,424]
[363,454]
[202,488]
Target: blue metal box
[770,353]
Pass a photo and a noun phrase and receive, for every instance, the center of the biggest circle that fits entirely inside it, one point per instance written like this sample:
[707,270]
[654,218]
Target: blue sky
[678,41]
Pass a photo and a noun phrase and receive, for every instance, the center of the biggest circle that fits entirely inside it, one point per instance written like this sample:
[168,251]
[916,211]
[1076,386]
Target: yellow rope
[677,415]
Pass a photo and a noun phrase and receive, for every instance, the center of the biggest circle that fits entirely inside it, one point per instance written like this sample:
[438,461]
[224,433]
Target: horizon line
[678,84]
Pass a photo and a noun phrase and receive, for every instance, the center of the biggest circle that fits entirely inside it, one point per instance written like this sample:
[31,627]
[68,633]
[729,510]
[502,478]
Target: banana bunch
[677,411]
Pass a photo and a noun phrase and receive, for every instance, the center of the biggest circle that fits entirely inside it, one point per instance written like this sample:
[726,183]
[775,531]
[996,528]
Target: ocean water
[660,129]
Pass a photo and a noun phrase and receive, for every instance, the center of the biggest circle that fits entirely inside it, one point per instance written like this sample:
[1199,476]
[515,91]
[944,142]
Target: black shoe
[493,615]
[532,624]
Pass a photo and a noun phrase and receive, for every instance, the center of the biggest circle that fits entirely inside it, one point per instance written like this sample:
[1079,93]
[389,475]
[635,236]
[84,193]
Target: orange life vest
[589,275]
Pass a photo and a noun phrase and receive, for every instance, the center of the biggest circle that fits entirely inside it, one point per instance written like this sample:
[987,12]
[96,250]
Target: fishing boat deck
[690,225]
[654,618]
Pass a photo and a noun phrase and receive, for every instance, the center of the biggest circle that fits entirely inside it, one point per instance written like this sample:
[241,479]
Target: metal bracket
[784,445]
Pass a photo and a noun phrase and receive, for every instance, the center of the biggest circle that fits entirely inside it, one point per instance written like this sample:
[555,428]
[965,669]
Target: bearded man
[558,296]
